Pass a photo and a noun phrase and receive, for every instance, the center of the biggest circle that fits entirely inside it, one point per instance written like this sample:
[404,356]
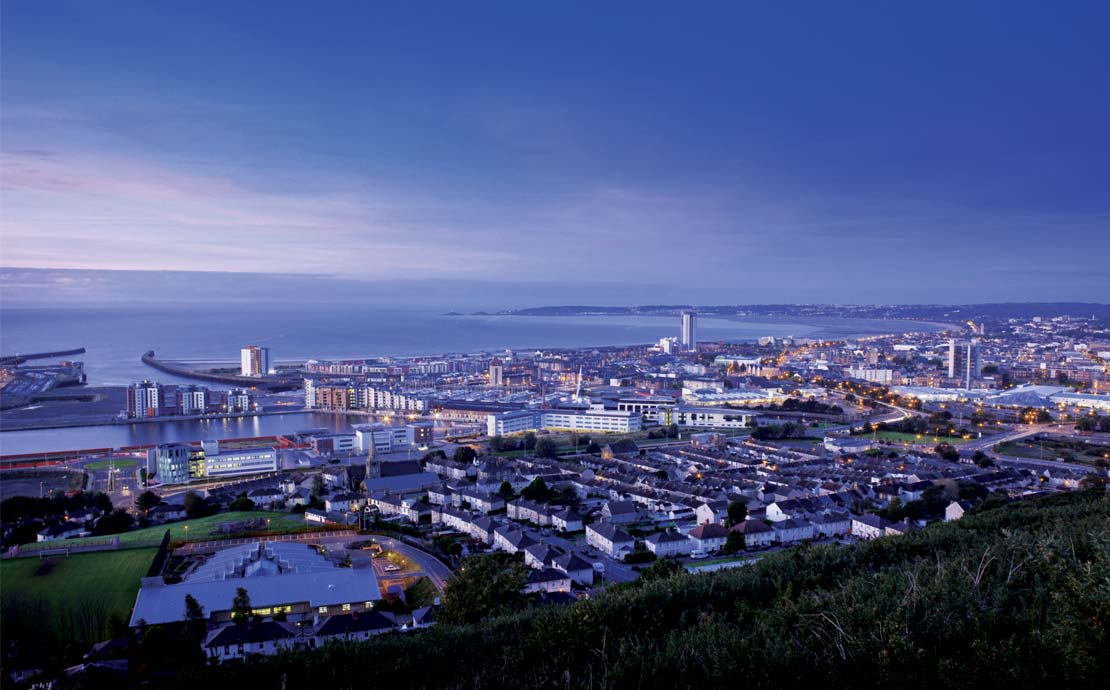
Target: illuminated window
[322,609]
[346,607]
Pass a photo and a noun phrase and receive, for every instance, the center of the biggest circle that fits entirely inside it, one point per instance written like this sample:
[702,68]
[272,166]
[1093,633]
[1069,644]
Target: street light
[186,533]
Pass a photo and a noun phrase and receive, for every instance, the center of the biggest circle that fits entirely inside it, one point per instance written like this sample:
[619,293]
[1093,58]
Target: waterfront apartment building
[145,399]
[517,421]
[254,360]
[334,394]
[689,336]
[348,394]
[238,400]
[192,400]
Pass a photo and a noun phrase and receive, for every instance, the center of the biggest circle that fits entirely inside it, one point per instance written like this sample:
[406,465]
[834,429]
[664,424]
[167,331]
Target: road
[435,569]
[991,441]
[1036,464]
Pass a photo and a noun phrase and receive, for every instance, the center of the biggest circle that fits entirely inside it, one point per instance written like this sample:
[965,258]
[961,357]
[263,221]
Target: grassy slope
[1019,595]
[74,596]
[199,530]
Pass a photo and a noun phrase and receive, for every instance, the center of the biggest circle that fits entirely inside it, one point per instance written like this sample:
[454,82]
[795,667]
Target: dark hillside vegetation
[1018,596]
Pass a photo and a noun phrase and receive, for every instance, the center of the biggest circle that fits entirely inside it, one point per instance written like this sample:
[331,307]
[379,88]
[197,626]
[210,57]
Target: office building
[881,376]
[517,421]
[689,336]
[178,463]
[964,361]
[254,360]
[653,408]
[144,399]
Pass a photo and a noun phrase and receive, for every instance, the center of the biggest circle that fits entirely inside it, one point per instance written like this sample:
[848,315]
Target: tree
[318,487]
[661,569]
[497,443]
[147,500]
[537,490]
[737,512]
[195,505]
[982,459]
[242,503]
[483,586]
[194,617]
[593,448]
[734,543]
[546,448]
[464,454]
[434,455]
[116,522]
[193,610]
[505,491]
[241,606]
[529,440]
[948,452]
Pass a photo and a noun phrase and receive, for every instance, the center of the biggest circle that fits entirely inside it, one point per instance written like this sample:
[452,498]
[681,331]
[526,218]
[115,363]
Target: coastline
[150,420]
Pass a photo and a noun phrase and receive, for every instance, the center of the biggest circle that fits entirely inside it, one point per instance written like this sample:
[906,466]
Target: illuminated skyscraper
[965,361]
[689,336]
[254,360]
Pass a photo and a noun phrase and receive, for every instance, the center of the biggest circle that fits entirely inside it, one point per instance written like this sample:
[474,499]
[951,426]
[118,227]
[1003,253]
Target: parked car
[698,554]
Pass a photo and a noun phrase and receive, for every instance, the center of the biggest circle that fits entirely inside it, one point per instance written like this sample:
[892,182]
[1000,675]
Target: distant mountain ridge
[998,310]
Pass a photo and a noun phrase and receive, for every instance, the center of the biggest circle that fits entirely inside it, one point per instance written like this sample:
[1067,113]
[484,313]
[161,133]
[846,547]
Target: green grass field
[74,597]
[121,464]
[201,529]
[1052,449]
[926,439]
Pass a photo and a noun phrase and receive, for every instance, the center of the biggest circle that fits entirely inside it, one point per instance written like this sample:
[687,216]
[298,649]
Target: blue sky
[732,152]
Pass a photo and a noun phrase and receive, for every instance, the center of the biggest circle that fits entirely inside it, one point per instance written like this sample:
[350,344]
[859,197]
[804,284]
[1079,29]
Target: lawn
[200,529]
[119,464]
[926,439]
[1052,449]
[75,597]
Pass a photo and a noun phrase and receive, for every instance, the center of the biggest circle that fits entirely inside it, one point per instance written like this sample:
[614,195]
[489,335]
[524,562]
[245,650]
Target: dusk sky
[708,153]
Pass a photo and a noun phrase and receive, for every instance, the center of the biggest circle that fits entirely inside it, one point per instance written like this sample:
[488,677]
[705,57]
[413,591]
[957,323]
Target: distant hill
[928,312]
[1018,595]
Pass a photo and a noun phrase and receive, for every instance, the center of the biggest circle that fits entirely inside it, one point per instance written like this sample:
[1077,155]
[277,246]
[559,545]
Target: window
[322,609]
[346,607]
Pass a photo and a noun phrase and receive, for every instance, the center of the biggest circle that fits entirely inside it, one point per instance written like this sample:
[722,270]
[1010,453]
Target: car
[698,554]
[599,567]
[391,568]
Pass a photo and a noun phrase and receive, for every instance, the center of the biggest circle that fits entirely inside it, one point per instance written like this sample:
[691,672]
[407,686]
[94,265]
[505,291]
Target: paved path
[435,569]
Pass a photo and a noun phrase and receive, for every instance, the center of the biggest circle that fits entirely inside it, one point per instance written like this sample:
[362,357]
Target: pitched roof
[752,527]
[366,621]
[610,532]
[710,530]
[251,632]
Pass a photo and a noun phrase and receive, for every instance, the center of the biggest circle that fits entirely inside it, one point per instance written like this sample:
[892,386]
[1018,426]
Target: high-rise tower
[689,335]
